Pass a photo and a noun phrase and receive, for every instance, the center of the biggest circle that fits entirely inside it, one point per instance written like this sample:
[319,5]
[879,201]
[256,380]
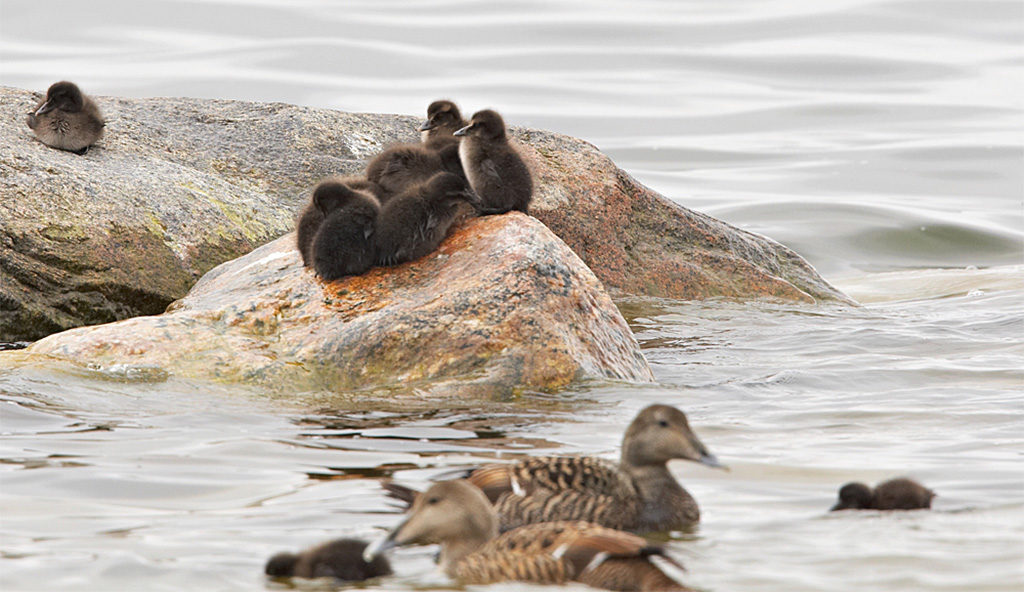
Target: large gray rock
[178,186]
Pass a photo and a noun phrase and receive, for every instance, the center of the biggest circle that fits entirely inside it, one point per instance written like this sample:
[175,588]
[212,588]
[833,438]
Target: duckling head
[853,496]
[660,433]
[62,95]
[442,116]
[486,124]
[331,195]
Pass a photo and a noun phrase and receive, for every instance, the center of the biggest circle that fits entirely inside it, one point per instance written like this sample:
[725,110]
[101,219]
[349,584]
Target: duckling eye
[663,423]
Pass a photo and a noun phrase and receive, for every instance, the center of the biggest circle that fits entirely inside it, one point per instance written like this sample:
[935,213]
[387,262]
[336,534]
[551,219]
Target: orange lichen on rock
[503,306]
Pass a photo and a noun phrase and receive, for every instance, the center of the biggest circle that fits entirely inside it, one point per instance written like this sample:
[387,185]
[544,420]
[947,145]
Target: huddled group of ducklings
[410,194]
[546,520]
[553,520]
[399,210]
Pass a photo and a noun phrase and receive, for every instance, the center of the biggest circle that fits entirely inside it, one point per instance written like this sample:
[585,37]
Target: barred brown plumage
[459,517]
[638,494]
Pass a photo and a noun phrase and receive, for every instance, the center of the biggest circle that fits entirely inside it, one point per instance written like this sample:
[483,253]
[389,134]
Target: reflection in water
[880,139]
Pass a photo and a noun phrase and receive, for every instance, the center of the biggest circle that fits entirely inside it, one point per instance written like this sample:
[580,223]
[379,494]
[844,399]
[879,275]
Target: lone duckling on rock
[311,217]
[896,494]
[344,242]
[457,515]
[494,168]
[638,494]
[66,119]
[414,223]
[341,559]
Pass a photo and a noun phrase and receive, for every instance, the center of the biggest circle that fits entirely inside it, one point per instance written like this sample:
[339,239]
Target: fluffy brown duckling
[341,559]
[344,243]
[895,494]
[401,167]
[457,515]
[638,494]
[414,223]
[311,217]
[494,168]
[66,119]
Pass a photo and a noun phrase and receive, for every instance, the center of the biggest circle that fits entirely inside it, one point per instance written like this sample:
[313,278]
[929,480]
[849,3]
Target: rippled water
[881,139]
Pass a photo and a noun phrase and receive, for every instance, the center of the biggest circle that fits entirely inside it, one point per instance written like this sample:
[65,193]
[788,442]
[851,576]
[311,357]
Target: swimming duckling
[896,494]
[341,559]
[457,515]
[400,167]
[495,170]
[638,494]
[344,243]
[66,119]
[414,223]
[443,119]
[311,217]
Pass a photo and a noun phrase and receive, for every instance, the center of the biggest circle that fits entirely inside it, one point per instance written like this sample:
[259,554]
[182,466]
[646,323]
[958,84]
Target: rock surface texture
[502,306]
[177,186]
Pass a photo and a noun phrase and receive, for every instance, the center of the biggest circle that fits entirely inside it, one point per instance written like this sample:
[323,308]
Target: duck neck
[666,505]
[453,551]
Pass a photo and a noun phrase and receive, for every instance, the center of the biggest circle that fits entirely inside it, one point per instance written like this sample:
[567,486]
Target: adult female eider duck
[457,515]
[638,494]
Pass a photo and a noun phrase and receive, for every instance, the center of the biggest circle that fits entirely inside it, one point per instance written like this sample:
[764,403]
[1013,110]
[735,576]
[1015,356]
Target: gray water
[881,139]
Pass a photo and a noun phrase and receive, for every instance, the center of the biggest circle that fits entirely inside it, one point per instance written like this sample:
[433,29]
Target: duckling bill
[493,167]
[341,559]
[457,515]
[895,494]
[66,119]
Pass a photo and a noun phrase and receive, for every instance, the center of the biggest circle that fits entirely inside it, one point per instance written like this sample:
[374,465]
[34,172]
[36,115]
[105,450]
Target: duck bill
[45,108]
[462,131]
[426,127]
[712,461]
[379,546]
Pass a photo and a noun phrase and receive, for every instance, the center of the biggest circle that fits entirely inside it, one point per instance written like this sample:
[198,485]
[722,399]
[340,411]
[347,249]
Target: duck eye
[663,423]
[433,500]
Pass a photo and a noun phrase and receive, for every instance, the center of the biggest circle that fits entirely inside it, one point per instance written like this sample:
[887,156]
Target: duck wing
[556,552]
[595,476]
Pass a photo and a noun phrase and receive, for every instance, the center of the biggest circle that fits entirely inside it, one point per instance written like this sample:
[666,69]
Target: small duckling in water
[311,217]
[66,119]
[341,559]
[414,223]
[896,494]
[344,243]
[400,167]
[457,515]
[494,168]
[638,494]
